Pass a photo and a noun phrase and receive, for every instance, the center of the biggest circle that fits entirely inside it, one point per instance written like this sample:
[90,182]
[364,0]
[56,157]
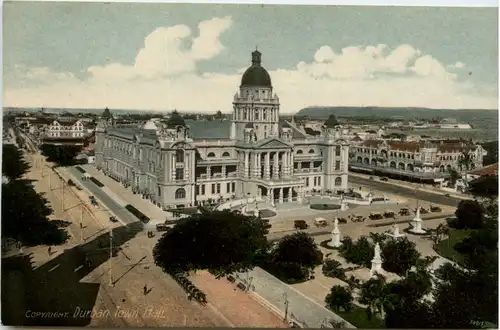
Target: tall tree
[399,255]
[377,296]
[485,186]
[470,215]
[13,164]
[220,241]
[61,155]
[331,122]
[339,297]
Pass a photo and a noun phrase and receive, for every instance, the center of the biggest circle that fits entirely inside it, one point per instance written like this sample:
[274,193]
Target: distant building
[66,128]
[422,160]
[177,163]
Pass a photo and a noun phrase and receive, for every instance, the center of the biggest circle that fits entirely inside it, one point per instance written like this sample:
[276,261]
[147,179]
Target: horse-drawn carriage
[389,214]
[404,212]
[320,222]
[300,224]
[435,208]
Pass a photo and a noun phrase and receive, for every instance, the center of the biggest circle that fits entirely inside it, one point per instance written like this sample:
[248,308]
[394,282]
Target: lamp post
[285,296]
[110,255]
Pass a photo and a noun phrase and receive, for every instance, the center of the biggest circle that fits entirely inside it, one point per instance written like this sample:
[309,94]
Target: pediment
[274,144]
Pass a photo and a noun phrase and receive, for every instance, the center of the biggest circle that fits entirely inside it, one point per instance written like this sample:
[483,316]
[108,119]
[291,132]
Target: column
[267,169]
[209,172]
[259,165]
[172,163]
[284,165]
[291,164]
[281,196]
[223,171]
[299,194]
[246,164]
[271,196]
[255,165]
[290,195]
[275,166]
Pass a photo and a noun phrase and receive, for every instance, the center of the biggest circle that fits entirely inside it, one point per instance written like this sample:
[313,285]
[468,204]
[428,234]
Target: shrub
[324,206]
[359,252]
[81,170]
[333,268]
[339,297]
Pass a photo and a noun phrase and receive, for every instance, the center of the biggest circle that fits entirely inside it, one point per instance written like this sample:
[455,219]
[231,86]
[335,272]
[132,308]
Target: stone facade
[261,156]
[418,159]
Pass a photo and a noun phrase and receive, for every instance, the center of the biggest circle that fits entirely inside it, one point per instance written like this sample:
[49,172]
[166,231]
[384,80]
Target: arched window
[225,154]
[299,152]
[338,181]
[311,151]
[179,156]
[211,154]
[180,193]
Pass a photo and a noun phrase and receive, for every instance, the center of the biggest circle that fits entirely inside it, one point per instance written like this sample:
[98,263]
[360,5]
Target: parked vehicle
[162,227]
[320,222]
[342,220]
[113,218]
[385,179]
[404,212]
[300,224]
[376,216]
[435,208]
[389,214]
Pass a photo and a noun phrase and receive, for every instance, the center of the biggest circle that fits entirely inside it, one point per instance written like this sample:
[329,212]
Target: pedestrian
[190,296]
[145,289]
[49,250]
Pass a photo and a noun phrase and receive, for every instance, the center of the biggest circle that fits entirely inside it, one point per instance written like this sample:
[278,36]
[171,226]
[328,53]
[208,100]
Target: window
[203,189]
[337,165]
[213,189]
[299,152]
[218,188]
[211,154]
[338,181]
[159,191]
[311,151]
[228,187]
[179,173]
[197,190]
[233,186]
[179,156]
[337,151]
[180,193]
[225,154]
[307,182]
[256,114]
[319,181]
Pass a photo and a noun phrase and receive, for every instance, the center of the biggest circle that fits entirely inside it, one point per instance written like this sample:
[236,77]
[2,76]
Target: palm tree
[454,176]
[465,161]
[375,293]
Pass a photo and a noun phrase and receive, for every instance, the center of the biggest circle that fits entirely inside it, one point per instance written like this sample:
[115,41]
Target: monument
[377,262]
[417,224]
[335,242]
[394,233]
[343,205]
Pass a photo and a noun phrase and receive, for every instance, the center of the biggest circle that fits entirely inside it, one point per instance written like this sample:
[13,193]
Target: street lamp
[285,296]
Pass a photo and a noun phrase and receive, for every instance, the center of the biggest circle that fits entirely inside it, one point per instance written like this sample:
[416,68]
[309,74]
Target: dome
[256,75]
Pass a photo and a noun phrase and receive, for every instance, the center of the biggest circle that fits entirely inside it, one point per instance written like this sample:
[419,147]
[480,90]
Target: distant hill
[462,115]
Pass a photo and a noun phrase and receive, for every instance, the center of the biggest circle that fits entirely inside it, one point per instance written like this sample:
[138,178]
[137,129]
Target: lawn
[445,247]
[357,316]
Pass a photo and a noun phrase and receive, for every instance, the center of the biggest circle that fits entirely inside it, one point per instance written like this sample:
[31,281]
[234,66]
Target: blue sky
[191,57]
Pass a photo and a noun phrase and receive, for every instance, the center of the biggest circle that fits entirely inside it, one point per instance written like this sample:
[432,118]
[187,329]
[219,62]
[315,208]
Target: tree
[399,256]
[300,248]
[377,296]
[61,155]
[220,241]
[331,122]
[469,215]
[442,231]
[333,268]
[485,186]
[339,297]
[465,161]
[454,176]
[492,153]
[25,216]
[359,252]
[13,164]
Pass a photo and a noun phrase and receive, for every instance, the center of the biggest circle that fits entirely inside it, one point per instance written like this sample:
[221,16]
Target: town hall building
[177,163]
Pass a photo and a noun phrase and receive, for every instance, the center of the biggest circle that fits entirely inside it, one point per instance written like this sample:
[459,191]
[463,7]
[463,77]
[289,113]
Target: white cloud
[164,76]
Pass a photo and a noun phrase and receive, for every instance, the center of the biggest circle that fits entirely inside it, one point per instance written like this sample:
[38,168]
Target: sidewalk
[125,195]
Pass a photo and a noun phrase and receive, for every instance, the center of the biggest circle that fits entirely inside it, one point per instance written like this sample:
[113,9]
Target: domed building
[254,154]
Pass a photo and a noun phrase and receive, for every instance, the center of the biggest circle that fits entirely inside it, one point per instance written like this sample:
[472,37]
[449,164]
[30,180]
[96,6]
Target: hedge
[324,206]
[97,182]
[138,214]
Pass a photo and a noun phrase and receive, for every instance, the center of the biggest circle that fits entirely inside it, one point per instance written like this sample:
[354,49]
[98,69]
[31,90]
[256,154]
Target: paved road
[405,192]
[108,202]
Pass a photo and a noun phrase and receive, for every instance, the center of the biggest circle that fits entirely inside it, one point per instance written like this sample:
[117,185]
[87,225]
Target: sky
[190,57]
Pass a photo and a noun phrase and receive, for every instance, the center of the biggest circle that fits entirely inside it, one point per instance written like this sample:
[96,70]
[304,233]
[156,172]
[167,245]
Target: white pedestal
[344,207]
[376,267]
[417,226]
[335,242]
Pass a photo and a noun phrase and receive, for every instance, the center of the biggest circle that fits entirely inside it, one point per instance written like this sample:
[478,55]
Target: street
[404,191]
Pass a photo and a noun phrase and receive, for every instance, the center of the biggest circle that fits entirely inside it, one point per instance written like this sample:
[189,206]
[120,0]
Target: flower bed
[324,206]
